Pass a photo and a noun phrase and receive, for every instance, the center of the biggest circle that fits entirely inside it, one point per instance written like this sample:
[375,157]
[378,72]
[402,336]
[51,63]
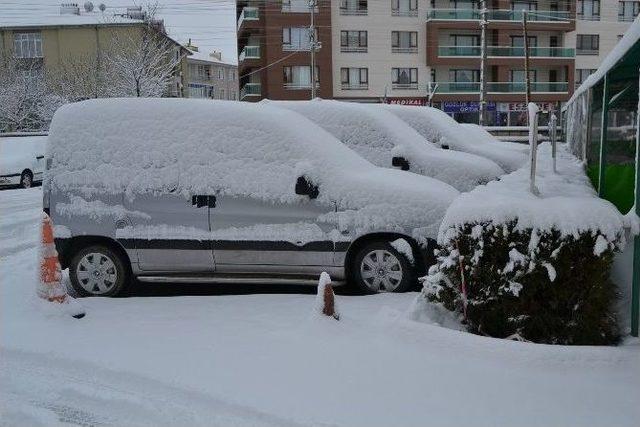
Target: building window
[404,78]
[298,77]
[524,5]
[296,38]
[353,7]
[27,45]
[221,93]
[462,4]
[588,44]
[517,76]
[518,41]
[354,78]
[628,10]
[233,95]
[404,41]
[582,74]
[201,72]
[296,6]
[404,7]
[353,41]
[464,40]
[220,73]
[589,10]
[464,80]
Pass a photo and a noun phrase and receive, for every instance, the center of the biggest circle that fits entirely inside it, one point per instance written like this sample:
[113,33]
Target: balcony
[354,49]
[248,14]
[300,47]
[250,89]
[249,52]
[404,12]
[354,11]
[497,15]
[354,86]
[404,86]
[506,52]
[502,87]
[300,86]
[396,49]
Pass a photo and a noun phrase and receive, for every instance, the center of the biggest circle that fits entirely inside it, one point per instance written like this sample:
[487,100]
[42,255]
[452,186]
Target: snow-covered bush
[531,267]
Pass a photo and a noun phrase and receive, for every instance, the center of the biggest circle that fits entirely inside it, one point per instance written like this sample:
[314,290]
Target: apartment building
[79,40]
[274,49]
[600,25]
[209,77]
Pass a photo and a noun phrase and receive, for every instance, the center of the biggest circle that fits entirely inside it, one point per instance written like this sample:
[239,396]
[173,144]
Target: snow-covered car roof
[19,152]
[438,127]
[137,145]
[378,136]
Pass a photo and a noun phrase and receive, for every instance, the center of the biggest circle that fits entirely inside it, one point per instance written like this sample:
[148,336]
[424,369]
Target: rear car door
[170,233]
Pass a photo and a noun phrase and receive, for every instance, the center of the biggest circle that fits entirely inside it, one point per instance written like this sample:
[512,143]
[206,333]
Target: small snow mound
[325,304]
[600,246]
[402,246]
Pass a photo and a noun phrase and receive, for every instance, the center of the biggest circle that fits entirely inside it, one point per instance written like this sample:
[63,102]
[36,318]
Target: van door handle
[203,201]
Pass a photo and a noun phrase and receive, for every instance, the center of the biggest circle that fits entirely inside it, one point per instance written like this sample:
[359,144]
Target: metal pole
[483,63]
[635,281]
[312,46]
[526,56]
[553,122]
[532,110]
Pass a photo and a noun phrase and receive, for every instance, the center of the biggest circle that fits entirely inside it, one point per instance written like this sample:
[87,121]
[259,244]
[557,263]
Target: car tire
[379,267]
[98,270]
[26,179]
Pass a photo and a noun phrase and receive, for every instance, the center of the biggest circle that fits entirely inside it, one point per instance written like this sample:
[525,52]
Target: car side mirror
[400,162]
[305,188]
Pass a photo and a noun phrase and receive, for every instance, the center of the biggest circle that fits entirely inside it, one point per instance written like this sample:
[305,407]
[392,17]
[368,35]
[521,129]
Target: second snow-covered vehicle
[170,190]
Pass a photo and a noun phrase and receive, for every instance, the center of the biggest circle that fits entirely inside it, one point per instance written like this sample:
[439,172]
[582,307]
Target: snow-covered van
[21,160]
[385,140]
[174,190]
[441,129]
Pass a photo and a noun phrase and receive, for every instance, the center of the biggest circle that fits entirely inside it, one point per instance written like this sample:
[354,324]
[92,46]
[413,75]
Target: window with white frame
[353,41]
[463,4]
[404,7]
[582,74]
[27,45]
[296,38]
[221,73]
[404,41]
[296,6]
[354,78]
[588,10]
[628,10]
[298,76]
[404,78]
[354,7]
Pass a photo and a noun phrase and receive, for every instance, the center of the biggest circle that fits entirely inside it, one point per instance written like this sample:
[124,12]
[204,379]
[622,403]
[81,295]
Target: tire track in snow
[38,387]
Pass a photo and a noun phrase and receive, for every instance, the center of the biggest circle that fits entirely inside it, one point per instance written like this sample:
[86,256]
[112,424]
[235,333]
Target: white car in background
[441,129]
[385,140]
[21,160]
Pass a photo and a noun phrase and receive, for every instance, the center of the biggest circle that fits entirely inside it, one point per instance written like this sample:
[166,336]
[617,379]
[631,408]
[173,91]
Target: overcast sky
[209,23]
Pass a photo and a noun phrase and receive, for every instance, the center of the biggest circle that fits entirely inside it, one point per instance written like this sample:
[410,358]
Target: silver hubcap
[381,271]
[97,273]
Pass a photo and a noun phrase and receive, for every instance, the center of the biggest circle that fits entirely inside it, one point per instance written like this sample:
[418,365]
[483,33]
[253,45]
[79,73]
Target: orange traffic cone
[50,286]
[325,299]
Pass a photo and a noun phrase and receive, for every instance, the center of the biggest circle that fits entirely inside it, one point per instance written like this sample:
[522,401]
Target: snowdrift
[439,128]
[137,146]
[378,136]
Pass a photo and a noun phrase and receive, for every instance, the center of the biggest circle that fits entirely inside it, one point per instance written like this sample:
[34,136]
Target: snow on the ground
[268,360]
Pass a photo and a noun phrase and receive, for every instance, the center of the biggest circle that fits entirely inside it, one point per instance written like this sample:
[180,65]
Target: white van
[385,140]
[21,160]
[175,190]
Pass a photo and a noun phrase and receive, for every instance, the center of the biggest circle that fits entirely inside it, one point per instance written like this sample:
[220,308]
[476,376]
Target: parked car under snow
[386,141]
[441,129]
[21,160]
[207,191]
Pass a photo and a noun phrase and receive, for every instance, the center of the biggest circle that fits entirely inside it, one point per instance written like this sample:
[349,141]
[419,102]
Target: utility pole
[483,62]
[313,45]
[526,56]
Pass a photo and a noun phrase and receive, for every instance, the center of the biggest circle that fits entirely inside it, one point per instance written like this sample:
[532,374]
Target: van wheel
[26,179]
[379,267]
[98,271]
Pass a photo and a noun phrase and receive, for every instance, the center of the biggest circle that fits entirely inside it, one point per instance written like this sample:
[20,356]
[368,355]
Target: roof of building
[207,57]
[628,41]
